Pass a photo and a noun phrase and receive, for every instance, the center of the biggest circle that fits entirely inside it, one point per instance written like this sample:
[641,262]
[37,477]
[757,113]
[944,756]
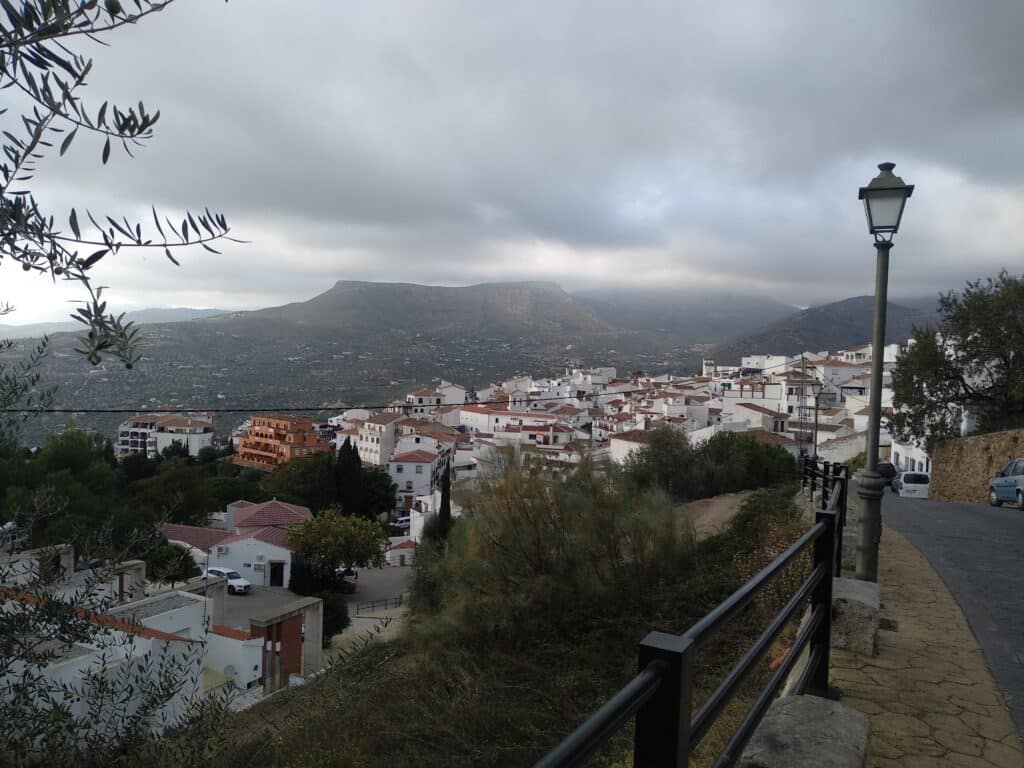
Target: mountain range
[362,342]
[139,316]
[838,325]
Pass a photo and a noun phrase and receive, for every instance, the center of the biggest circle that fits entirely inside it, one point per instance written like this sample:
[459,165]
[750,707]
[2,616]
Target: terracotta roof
[769,438]
[418,456]
[197,536]
[766,411]
[276,535]
[633,436]
[271,513]
[424,392]
[237,634]
[384,418]
[842,363]
[103,619]
[407,544]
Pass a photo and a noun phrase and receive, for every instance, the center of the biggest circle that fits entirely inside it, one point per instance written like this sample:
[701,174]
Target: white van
[913,485]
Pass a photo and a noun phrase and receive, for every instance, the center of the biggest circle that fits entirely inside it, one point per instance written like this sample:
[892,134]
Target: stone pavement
[929,693]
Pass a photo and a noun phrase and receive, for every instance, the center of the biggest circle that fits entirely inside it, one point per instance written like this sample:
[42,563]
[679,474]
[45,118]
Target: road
[977,551]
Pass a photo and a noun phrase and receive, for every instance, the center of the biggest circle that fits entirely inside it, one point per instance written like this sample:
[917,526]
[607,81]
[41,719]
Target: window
[419,469]
[399,468]
[408,485]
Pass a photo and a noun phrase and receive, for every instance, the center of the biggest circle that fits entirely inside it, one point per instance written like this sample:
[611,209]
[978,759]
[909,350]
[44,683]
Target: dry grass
[418,703]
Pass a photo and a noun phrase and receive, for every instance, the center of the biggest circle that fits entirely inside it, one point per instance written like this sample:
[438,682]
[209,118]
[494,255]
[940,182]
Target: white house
[252,539]
[624,444]
[415,473]
[377,438]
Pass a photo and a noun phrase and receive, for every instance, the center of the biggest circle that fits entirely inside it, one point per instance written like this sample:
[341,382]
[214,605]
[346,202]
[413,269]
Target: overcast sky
[700,145]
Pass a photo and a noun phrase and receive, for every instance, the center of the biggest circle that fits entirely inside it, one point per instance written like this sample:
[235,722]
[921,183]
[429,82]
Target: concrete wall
[245,656]
[962,467]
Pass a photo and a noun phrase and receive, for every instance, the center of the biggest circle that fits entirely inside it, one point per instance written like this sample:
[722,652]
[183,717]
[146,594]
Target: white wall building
[377,438]
[149,435]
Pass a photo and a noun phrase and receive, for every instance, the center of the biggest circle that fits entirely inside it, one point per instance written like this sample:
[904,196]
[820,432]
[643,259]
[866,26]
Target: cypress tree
[444,514]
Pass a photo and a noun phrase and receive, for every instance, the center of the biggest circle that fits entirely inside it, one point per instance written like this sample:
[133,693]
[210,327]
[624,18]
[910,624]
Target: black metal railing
[825,477]
[661,696]
[384,602]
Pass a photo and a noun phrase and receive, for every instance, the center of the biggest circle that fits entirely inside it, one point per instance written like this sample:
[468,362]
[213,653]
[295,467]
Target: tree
[38,59]
[87,721]
[170,563]
[658,463]
[330,540]
[308,481]
[972,362]
[444,514]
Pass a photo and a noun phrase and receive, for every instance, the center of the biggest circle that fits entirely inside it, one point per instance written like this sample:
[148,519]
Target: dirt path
[709,516]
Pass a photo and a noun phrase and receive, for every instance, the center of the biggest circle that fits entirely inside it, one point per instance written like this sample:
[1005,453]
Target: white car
[913,485]
[236,584]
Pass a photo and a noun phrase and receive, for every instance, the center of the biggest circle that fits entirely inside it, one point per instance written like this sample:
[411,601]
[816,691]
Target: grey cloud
[434,141]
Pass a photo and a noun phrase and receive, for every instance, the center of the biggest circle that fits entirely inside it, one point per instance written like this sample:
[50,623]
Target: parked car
[347,585]
[236,584]
[912,485]
[888,471]
[347,573]
[1008,485]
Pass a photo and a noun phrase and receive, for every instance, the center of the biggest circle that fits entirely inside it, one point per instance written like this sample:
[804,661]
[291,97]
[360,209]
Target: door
[276,574]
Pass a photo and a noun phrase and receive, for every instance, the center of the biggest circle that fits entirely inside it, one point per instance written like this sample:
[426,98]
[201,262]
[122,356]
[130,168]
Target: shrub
[305,581]
[336,618]
[728,462]
[534,554]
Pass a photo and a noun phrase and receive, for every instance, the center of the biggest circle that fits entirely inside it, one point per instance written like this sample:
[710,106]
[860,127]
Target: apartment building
[149,434]
[377,438]
[276,438]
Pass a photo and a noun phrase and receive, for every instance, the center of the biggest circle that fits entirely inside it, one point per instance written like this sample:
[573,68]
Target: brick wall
[962,467]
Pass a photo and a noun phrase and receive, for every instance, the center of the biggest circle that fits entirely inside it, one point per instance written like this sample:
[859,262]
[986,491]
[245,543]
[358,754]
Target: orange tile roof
[197,536]
[418,456]
[271,513]
[237,634]
[633,436]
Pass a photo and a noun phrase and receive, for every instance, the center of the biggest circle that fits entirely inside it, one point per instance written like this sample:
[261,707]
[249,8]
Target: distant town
[816,402]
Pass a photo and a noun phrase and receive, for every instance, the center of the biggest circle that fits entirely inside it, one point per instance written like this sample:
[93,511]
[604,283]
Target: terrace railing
[661,696]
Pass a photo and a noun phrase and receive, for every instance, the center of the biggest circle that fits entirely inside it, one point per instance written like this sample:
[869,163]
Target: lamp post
[884,199]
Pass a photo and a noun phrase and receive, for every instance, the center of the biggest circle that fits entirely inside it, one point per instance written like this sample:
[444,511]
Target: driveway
[977,550]
[379,584]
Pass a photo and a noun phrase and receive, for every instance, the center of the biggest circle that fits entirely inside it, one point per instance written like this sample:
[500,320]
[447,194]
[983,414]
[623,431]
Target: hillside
[682,316]
[827,327]
[354,343]
[139,316]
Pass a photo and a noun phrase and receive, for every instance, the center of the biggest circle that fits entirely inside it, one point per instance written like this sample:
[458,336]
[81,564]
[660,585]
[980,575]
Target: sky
[702,146]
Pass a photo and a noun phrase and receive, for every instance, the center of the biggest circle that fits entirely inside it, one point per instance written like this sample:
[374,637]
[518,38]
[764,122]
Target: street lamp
[884,199]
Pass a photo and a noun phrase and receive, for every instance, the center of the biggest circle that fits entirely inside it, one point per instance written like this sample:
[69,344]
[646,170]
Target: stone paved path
[930,695]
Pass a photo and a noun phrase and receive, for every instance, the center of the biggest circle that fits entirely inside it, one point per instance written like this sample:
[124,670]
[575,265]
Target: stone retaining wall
[963,466]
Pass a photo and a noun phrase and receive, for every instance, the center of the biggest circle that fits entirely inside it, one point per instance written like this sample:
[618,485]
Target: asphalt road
[978,551]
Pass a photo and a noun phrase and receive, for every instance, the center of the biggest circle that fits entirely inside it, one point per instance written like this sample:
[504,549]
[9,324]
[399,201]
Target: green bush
[535,554]
[336,618]
[728,462]
[304,581]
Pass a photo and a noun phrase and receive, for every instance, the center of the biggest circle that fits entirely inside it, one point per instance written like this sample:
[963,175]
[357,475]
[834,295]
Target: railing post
[826,483]
[824,554]
[814,477]
[662,737]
